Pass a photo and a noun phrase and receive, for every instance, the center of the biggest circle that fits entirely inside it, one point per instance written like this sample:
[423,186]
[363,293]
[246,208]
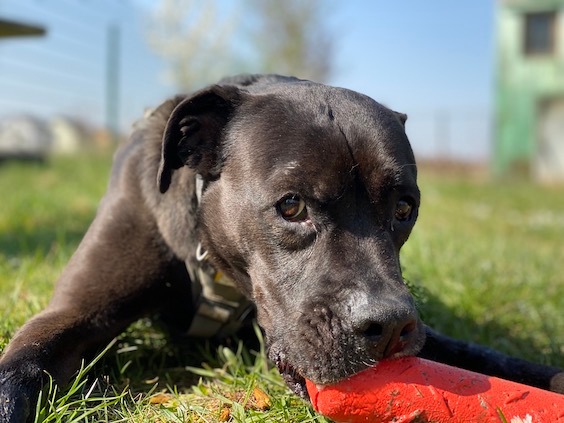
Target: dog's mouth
[293,378]
[326,360]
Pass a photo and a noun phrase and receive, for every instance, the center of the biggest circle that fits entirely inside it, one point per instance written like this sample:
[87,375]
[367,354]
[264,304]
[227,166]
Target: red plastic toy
[416,390]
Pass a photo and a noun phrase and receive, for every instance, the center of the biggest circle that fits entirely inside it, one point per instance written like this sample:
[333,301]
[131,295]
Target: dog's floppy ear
[193,131]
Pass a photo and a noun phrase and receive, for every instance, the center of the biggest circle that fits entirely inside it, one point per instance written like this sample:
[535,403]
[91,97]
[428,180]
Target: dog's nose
[390,339]
[388,330]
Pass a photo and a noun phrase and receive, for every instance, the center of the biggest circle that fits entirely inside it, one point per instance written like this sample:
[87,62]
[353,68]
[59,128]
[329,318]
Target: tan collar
[221,309]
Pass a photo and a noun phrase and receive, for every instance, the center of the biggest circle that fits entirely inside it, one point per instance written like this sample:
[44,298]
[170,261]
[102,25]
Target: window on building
[540,33]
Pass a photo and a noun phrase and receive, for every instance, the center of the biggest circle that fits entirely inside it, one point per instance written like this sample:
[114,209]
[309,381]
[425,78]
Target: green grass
[490,257]
[485,258]
[44,211]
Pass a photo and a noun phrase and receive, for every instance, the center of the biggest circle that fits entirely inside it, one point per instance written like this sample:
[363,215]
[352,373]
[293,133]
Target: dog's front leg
[484,360]
[121,270]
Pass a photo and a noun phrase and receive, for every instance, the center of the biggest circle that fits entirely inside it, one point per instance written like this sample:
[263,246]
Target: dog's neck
[220,307]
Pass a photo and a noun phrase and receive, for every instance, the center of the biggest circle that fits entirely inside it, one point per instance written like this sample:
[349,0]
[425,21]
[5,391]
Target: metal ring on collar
[200,254]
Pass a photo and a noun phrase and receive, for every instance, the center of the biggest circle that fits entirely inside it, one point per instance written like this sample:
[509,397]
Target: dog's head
[311,194]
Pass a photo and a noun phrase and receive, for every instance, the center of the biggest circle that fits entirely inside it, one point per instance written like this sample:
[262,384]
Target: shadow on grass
[20,240]
[491,334]
[146,356]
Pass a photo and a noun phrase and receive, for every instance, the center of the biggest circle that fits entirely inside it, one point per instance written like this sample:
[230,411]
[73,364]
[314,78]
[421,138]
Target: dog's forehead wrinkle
[373,139]
[349,148]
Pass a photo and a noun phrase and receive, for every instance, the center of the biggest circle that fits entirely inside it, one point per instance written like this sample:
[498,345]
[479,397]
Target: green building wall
[523,83]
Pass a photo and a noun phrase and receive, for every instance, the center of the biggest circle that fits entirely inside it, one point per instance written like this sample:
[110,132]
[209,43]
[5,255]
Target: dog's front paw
[14,405]
[557,383]
[18,396]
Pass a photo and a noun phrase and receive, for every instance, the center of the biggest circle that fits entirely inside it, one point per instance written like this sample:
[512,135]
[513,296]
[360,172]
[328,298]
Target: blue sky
[419,52]
[430,59]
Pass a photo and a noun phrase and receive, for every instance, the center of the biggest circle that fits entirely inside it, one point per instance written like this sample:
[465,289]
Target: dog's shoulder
[137,158]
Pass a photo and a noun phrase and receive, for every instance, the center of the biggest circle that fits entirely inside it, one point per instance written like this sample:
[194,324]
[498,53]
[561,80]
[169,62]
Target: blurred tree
[292,38]
[193,39]
[287,37]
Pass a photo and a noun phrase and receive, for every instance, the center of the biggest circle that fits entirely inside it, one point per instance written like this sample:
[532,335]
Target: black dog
[299,193]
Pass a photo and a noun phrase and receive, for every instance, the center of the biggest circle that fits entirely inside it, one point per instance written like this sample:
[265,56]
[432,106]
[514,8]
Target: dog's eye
[292,209]
[403,210]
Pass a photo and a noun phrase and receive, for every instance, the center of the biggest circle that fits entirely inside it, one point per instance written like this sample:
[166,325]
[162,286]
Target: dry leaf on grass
[160,398]
[225,414]
[262,400]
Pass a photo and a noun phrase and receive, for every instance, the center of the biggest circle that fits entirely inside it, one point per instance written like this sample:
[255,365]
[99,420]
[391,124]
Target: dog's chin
[293,378]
